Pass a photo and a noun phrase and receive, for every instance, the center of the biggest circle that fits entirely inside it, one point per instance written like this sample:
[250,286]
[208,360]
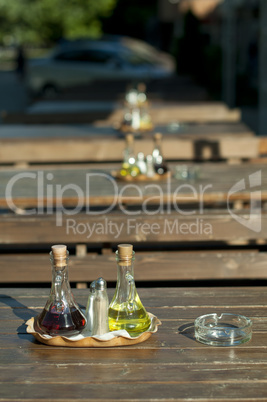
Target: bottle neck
[60,288]
[128,153]
[125,271]
[61,273]
[156,153]
[125,288]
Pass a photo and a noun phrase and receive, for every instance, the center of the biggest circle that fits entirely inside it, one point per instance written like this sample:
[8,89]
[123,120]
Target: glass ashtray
[223,330]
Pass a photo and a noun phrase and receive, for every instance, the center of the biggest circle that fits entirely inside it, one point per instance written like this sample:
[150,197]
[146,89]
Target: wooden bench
[94,186]
[110,149]
[149,267]
[22,236]
[84,228]
[93,237]
[216,233]
[112,113]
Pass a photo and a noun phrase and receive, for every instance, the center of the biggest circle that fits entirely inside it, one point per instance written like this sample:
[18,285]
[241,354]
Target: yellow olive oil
[126,310]
[133,321]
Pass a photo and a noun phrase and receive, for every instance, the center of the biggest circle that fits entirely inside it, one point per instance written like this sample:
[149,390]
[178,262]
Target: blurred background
[184,49]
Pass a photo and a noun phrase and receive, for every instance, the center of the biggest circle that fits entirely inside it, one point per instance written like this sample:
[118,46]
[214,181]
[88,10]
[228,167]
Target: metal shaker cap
[100,284]
[92,286]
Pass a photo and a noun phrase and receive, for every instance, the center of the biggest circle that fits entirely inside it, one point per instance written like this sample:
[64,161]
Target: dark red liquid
[61,323]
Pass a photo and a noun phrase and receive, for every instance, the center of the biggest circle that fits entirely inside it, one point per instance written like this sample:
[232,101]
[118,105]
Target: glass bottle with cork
[61,314]
[126,310]
[129,166]
[160,166]
[132,110]
[145,118]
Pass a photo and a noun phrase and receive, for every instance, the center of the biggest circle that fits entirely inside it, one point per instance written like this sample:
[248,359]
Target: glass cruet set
[62,316]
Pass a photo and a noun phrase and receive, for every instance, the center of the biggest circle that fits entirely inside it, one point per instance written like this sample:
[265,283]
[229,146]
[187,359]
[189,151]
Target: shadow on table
[20,310]
[187,330]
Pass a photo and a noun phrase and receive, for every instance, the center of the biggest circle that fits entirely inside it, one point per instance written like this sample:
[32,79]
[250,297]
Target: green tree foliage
[46,21]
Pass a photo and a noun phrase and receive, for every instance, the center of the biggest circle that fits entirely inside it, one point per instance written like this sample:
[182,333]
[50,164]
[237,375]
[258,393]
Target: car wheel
[49,91]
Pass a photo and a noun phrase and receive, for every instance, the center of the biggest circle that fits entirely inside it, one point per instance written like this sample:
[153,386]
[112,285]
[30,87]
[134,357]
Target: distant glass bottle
[61,314]
[136,118]
[128,152]
[159,166]
[150,171]
[141,163]
[126,310]
[141,93]
[129,166]
[132,110]
[131,96]
[145,118]
[157,147]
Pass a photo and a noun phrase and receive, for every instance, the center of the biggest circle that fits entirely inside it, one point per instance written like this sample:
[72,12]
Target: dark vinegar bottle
[61,314]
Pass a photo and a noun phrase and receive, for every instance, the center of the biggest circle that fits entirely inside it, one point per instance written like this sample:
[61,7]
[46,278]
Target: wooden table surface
[96,143]
[112,112]
[173,128]
[93,185]
[170,366]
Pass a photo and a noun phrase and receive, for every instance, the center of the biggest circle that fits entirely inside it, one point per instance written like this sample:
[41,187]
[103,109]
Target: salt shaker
[89,308]
[141,163]
[100,307]
[149,166]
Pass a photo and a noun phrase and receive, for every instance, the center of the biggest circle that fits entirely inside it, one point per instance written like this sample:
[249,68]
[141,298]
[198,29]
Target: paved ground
[13,96]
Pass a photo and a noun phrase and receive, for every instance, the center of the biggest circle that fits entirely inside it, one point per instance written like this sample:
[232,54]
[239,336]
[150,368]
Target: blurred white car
[110,58]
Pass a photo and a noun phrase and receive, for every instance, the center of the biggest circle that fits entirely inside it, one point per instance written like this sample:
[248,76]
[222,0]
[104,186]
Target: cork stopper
[125,250]
[141,87]
[129,138]
[125,253]
[59,253]
[158,137]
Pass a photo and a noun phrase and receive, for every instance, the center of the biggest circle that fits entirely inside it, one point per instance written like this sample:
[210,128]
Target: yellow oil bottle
[126,310]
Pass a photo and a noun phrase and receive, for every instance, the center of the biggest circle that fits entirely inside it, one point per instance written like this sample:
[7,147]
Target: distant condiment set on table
[149,166]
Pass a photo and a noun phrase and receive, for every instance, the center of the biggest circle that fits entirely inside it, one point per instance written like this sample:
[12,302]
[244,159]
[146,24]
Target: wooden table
[112,112]
[94,186]
[170,365]
[88,143]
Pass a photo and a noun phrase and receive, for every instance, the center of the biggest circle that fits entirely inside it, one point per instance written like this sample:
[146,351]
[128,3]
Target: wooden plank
[49,150]
[194,112]
[169,297]
[142,228]
[102,131]
[263,146]
[165,314]
[145,392]
[160,114]
[94,186]
[169,336]
[183,113]
[171,365]
[135,373]
[198,265]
